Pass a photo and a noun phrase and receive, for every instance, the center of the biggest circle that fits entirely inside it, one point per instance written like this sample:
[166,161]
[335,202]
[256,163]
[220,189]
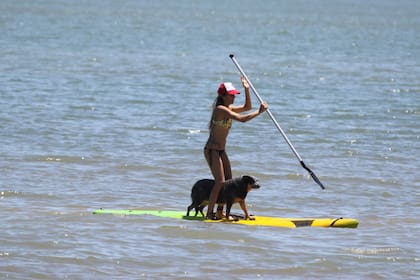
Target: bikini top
[226,123]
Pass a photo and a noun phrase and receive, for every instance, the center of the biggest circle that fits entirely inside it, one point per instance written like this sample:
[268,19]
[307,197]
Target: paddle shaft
[276,123]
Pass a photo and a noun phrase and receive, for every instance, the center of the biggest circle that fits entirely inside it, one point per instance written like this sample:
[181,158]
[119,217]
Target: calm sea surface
[106,104]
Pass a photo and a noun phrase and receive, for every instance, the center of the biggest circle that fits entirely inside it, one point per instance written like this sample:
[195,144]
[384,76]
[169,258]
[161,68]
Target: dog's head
[251,182]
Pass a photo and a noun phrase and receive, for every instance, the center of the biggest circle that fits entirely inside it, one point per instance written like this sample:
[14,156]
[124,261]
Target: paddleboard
[259,220]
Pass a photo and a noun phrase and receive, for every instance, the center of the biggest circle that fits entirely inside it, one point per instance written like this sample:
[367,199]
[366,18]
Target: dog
[233,191]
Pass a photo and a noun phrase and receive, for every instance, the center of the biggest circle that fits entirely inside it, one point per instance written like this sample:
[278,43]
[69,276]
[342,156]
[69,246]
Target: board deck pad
[239,219]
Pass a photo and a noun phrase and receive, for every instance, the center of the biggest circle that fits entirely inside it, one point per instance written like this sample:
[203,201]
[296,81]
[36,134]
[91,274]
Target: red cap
[227,88]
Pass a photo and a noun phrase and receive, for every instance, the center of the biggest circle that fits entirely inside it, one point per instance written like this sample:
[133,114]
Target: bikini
[225,123]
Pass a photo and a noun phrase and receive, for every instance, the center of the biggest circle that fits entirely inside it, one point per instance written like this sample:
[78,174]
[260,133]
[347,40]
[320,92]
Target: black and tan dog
[233,191]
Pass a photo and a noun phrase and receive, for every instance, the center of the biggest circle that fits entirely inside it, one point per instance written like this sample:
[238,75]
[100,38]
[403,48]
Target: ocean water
[106,104]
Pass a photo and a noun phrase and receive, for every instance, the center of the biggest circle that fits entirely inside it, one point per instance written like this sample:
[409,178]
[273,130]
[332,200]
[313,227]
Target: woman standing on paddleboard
[221,120]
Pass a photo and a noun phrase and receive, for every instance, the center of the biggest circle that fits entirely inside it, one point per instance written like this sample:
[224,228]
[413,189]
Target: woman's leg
[226,166]
[228,175]
[217,169]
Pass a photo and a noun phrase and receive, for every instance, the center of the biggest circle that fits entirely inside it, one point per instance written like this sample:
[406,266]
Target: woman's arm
[248,104]
[243,118]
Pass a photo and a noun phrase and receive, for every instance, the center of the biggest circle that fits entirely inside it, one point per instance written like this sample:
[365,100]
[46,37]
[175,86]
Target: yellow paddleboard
[259,220]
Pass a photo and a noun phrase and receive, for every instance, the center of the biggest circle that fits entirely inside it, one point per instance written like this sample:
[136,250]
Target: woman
[221,120]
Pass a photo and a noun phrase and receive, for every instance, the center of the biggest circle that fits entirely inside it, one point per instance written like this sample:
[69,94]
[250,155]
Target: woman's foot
[213,217]
[220,215]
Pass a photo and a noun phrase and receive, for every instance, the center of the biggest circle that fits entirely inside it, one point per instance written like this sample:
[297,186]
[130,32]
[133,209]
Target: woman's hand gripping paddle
[276,123]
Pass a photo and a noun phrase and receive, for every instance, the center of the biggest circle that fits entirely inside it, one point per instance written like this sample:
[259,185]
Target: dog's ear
[248,179]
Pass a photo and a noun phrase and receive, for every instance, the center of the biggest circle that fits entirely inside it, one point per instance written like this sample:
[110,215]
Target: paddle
[276,123]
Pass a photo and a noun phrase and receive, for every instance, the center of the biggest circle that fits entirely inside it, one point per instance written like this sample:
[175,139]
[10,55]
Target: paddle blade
[313,175]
